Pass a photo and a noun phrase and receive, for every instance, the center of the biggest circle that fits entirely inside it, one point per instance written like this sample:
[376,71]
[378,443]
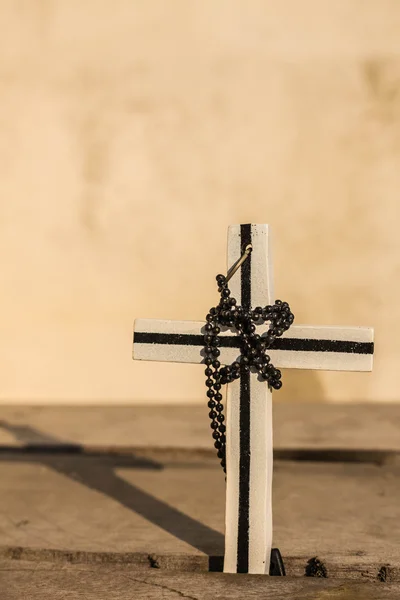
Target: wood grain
[20,580]
[148,501]
[297,426]
[127,509]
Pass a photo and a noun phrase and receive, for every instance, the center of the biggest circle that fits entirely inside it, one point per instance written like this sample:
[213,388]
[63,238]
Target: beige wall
[133,132]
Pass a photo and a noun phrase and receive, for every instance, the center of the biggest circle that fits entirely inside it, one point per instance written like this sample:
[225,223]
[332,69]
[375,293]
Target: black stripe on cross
[232,341]
[244,423]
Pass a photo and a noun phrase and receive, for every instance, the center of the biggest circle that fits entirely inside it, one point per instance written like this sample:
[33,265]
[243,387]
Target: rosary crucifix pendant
[248,515]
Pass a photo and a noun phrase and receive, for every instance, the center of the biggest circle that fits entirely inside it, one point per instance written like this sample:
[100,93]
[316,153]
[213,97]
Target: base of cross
[276,566]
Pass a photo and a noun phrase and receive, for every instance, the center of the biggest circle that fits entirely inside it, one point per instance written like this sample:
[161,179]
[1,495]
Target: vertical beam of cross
[249,424]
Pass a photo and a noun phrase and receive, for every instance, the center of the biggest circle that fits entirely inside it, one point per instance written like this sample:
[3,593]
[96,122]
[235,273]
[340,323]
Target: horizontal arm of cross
[302,347]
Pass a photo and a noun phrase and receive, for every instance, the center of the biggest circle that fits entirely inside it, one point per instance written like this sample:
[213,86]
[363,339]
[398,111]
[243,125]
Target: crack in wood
[160,585]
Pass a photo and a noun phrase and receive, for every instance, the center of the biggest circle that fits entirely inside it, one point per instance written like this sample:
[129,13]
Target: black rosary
[253,349]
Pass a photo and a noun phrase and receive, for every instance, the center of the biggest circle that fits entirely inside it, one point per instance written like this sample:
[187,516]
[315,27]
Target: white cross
[248,517]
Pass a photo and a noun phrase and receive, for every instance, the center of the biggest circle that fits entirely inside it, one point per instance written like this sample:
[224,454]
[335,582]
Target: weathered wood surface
[296,426]
[20,580]
[125,509]
[158,499]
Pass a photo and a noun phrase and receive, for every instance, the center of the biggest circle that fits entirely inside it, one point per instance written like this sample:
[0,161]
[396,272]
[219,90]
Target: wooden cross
[248,517]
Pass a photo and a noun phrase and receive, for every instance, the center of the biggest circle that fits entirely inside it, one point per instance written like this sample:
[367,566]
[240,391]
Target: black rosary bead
[253,351]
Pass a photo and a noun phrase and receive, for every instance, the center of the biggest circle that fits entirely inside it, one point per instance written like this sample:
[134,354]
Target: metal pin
[238,263]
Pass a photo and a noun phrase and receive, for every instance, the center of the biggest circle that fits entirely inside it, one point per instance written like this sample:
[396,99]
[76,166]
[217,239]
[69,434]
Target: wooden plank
[297,426]
[46,581]
[190,336]
[171,511]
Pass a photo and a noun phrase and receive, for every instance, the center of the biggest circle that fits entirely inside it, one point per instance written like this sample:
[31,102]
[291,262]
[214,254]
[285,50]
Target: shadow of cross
[96,471]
